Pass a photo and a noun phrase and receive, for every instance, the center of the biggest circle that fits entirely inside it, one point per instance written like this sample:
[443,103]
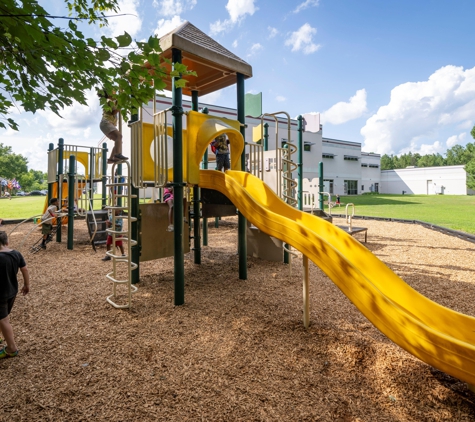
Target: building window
[351,187]
[306,147]
[362,188]
[328,155]
[351,158]
[328,184]
[364,165]
[374,166]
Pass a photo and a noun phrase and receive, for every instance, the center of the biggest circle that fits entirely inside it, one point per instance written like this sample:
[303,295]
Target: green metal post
[242,237]
[320,185]
[196,200]
[50,185]
[134,233]
[205,167]
[71,188]
[91,174]
[266,136]
[60,183]
[286,245]
[300,163]
[104,174]
[177,113]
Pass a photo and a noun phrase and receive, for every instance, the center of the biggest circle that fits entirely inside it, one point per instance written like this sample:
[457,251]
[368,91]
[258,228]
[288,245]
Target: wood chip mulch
[237,350]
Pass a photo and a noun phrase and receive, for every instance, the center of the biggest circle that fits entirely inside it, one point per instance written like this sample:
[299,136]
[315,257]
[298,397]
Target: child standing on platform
[220,146]
[168,199]
[10,262]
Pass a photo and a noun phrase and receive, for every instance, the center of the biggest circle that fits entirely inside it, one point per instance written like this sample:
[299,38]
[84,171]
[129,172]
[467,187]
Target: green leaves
[46,65]
[124,40]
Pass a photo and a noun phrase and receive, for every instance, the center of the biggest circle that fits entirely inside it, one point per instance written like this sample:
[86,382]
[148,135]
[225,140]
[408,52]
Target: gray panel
[156,241]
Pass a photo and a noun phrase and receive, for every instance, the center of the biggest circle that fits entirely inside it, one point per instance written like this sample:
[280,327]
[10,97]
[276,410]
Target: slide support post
[71,203]
[242,238]
[177,113]
[196,201]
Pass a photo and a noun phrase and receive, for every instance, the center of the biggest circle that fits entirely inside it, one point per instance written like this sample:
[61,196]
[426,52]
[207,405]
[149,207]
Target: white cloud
[219,26]
[164,26]
[131,22]
[272,32]
[456,139]
[280,98]
[211,98]
[417,111]
[237,10]
[235,43]
[305,5]
[302,39]
[174,7]
[255,48]
[343,112]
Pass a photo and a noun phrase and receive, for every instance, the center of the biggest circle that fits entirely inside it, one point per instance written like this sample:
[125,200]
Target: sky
[397,76]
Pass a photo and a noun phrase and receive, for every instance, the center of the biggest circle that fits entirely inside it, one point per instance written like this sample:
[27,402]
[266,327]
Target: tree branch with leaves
[45,66]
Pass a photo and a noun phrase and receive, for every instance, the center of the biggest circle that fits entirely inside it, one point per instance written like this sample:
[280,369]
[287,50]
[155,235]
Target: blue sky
[397,76]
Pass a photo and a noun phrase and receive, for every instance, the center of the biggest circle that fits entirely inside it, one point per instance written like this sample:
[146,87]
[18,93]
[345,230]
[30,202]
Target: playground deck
[236,350]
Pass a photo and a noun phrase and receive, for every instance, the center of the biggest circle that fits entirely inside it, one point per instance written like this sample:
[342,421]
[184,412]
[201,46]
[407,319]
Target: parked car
[20,193]
[45,192]
[37,193]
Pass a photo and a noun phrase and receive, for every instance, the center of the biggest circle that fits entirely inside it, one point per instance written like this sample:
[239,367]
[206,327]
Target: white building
[347,170]
[448,180]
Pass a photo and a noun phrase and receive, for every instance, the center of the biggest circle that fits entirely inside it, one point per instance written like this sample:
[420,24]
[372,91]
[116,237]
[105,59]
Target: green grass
[453,212]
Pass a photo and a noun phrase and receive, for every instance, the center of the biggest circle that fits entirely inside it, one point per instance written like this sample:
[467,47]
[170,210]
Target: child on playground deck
[10,262]
[220,146]
[118,243]
[47,223]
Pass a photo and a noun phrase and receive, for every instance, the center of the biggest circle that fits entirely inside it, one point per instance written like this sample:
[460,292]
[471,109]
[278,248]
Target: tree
[11,165]
[387,162]
[47,66]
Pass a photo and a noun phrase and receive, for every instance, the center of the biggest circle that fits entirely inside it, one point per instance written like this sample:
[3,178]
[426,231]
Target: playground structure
[437,335]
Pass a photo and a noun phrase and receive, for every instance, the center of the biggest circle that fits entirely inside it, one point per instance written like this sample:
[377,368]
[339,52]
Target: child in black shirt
[10,262]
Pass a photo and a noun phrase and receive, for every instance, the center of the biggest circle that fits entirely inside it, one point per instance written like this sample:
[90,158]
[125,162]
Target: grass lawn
[453,212]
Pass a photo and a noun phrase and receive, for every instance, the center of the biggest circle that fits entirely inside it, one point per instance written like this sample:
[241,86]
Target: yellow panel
[202,129]
[81,156]
[256,133]
[147,158]
[437,335]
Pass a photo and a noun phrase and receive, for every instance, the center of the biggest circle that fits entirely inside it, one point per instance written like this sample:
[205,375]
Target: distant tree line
[15,166]
[457,155]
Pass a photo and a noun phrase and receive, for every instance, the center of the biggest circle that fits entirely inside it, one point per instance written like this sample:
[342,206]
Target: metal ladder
[121,189]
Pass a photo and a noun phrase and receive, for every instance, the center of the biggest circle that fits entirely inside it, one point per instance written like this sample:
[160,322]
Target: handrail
[329,201]
[349,218]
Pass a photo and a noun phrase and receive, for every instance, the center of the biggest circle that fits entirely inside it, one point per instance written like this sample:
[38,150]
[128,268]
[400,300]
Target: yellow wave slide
[437,335]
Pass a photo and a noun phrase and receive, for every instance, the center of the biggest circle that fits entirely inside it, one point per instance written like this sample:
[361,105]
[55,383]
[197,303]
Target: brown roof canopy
[216,67]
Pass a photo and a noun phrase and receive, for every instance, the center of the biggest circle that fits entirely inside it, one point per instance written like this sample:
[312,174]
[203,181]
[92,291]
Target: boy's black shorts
[6,307]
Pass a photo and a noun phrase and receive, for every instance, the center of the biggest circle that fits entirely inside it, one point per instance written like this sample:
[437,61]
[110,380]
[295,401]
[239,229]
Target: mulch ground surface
[236,350]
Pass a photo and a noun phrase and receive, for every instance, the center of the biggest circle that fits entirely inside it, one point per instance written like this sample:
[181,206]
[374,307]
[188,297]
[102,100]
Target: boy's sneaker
[106,258]
[4,354]
[170,228]
[43,246]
